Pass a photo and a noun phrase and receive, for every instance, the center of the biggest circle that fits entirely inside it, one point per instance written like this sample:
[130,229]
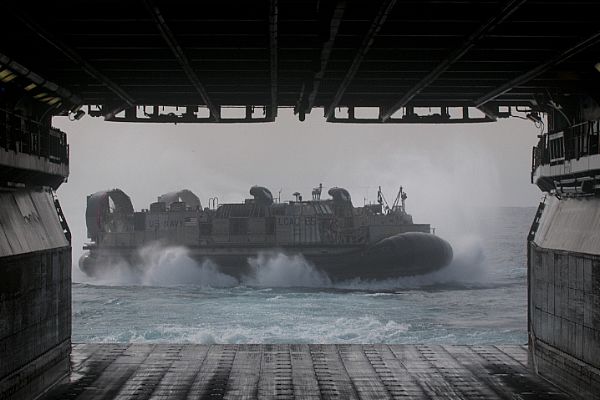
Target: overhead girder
[313,53]
[562,56]
[273,56]
[329,16]
[509,8]
[183,61]
[63,97]
[367,41]
[74,56]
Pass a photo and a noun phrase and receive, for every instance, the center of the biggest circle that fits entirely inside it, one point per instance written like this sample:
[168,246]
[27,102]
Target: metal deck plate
[301,371]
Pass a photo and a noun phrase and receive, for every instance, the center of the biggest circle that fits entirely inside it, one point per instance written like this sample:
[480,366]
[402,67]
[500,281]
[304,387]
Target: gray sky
[446,169]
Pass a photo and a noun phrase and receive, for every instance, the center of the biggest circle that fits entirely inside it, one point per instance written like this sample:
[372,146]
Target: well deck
[302,371]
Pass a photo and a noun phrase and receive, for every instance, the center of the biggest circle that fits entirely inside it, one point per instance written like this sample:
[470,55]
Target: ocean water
[480,299]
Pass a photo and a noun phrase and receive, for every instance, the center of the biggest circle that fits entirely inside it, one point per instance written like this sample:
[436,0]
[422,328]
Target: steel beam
[63,93]
[331,18]
[274,58]
[443,117]
[376,24]
[111,113]
[168,37]
[72,55]
[540,69]
[489,111]
[189,116]
[509,7]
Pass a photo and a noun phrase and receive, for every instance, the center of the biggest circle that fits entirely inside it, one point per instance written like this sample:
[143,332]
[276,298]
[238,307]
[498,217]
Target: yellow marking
[9,77]
[31,86]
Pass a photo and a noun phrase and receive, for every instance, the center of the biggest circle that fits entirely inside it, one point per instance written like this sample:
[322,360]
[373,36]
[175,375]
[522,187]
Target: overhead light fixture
[535,117]
[6,75]
[597,66]
[77,115]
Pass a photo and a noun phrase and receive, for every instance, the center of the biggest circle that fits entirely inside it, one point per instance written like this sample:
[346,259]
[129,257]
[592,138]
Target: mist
[447,170]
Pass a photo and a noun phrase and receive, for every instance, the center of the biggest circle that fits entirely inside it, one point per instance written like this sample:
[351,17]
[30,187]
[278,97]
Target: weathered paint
[570,224]
[35,321]
[28,223]
[565,295]
[35,294]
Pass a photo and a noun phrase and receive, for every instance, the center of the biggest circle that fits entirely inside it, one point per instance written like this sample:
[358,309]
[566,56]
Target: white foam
[272,269]
[378,294]
[163,266]
[115,272]
[171,265]
[365,329]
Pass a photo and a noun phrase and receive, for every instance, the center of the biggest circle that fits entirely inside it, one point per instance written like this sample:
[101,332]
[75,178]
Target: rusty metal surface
[302,371]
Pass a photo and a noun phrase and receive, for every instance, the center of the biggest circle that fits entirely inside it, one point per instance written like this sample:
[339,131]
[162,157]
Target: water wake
[364,329]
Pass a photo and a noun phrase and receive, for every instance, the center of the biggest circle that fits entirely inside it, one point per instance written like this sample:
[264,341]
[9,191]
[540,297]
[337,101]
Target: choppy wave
[481,298]
[194,314]
[366,329]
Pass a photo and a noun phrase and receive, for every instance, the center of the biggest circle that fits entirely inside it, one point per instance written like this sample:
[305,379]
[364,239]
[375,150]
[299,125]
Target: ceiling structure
[381,61]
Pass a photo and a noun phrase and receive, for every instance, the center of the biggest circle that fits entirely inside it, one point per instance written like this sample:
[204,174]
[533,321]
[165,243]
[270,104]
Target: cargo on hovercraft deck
[375,241]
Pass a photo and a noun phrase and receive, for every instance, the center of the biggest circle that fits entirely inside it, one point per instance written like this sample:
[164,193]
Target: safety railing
[21,134]
[579,140]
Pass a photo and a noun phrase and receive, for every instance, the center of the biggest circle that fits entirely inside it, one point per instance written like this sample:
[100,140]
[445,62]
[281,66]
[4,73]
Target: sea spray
[467,268]
[160,265]
[173,266]
[275,269]
[114,271]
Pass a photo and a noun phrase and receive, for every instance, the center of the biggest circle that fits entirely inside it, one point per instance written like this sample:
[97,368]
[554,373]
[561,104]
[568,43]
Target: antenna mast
[381,200]
[403,196]
[400,199]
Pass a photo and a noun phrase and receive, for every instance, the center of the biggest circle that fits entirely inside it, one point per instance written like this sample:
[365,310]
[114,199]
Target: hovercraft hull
[405,254]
